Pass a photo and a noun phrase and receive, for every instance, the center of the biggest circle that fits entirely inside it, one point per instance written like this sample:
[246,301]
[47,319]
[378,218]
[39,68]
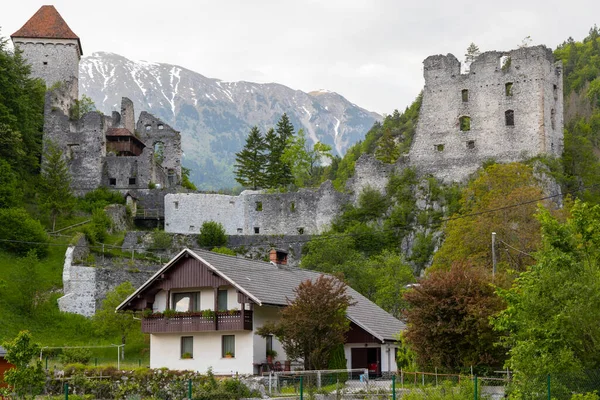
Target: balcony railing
[222,321]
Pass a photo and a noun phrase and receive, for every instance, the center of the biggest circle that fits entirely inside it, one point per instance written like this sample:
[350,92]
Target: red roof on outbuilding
[47,23]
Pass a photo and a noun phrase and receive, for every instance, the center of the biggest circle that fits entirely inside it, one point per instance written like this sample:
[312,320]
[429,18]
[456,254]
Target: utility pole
[493,254]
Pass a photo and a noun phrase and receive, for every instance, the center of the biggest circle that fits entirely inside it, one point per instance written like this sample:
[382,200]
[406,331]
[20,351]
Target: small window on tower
[509,117]
[256,230]
[45,62]
[465,123]
[258,206]
[132,181]
[439,147]
[508,89]
[112,181]
[465,95]
[148,127]
[471,144]
[301,231]
[161,127]
[555,89]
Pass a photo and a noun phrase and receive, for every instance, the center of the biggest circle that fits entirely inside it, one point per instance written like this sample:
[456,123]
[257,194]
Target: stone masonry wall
[442,149]
[53,60]
[304,212]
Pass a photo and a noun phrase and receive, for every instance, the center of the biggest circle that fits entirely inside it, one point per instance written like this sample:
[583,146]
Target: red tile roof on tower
[47,23]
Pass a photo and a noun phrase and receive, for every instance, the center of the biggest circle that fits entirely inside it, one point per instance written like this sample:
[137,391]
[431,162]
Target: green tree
[55,186]
[251,161]
[387,149]
[310,330]
[551,322]
[472,53]
[19,233]
[304,161]
[468,238]
[448,320]
[212,234]
[110,323]
[26,283]
[10,194]
[278,173]
[21,111]
[81,107]
[27,379]
[185,179]
[392,277]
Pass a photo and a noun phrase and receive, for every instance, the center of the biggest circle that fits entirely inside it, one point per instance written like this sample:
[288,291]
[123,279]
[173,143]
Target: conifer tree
[251,161]
[278,172]
[55,189]
[387,149]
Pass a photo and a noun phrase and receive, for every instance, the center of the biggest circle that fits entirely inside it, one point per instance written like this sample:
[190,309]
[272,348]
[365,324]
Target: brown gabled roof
[47,23]
[118,132]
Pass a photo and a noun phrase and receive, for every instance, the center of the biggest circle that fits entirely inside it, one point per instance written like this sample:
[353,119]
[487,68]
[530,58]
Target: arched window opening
[159,152]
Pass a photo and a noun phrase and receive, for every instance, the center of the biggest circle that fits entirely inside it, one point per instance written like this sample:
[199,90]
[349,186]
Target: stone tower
[508,107]
[50,47]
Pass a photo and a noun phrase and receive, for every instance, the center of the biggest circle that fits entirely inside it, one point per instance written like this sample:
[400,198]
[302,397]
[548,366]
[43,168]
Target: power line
[337,236]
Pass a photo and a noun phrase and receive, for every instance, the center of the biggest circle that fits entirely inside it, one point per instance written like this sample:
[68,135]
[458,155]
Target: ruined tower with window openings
[101,150]
[507,107]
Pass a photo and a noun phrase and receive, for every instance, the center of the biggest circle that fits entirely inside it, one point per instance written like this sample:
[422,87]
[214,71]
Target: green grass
[48,325]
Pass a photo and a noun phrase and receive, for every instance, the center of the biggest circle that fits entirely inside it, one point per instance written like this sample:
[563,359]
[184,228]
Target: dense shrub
[97,230]
[161,240]
[19,233]
[100,198]
[212,234]
[75,355]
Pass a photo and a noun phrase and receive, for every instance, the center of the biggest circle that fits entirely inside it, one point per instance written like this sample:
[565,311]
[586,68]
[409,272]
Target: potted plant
[186,355]
[271,354]
[229,355]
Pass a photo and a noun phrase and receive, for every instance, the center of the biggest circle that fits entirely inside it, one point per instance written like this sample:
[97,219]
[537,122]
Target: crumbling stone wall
[525,83]
[305,212]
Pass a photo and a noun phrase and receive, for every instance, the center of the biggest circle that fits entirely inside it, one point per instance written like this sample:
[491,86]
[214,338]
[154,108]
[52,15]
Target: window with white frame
[228,346]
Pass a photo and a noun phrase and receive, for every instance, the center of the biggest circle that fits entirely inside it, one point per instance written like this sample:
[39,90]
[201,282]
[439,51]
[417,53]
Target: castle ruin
[100,150]
[507,107]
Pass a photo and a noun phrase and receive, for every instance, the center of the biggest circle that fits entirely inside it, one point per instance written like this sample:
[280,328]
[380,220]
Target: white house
[219,302]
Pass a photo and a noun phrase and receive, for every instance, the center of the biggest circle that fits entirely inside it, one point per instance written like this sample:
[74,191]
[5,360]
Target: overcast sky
[369,51]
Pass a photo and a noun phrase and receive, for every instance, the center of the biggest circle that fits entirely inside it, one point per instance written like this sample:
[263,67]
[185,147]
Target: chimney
[277,256]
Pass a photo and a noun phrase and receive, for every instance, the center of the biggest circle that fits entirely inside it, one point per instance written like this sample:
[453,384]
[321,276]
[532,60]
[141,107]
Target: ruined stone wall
[304,212]
[152,131]
[53,60]
[441,148]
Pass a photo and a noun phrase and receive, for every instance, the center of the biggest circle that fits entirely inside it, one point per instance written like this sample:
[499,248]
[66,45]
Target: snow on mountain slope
[214,116]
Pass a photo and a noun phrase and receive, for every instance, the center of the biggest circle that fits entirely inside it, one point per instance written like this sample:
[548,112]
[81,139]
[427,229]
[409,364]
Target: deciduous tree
[28,376]
[448,320]
[551,321]
[314,322]
[108,322]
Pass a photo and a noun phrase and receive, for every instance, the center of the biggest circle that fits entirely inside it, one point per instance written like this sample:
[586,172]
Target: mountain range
[214,116]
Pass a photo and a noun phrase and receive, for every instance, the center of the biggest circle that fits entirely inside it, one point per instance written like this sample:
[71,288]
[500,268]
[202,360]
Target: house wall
[388,355]
[166,353]
[261,315]
[207,298]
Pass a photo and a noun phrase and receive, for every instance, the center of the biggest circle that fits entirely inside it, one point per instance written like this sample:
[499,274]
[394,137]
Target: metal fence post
[549,387]
[301,388]
[190,389]
[394,387]
[66,390]
[475,392]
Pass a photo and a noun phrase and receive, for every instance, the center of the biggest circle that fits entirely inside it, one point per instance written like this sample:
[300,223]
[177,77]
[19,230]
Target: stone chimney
[277,256]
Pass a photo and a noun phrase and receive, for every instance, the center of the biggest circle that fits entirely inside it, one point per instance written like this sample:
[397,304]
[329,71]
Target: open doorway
[368,358]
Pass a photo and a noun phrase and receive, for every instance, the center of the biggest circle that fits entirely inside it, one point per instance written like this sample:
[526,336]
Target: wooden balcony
[223,321]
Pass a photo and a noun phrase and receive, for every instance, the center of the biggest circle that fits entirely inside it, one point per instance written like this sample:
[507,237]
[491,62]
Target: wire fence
[110,383]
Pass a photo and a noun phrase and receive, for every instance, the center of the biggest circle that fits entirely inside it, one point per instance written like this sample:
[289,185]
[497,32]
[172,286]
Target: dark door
[359,358]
